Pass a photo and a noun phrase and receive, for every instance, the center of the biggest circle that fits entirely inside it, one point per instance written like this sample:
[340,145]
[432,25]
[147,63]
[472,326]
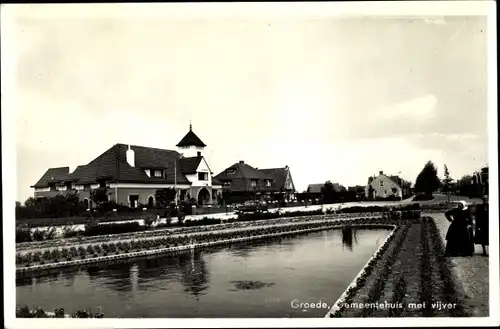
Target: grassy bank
[411,279]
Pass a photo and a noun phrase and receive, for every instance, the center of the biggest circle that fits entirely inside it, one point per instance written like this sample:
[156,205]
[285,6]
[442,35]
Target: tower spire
[190,126]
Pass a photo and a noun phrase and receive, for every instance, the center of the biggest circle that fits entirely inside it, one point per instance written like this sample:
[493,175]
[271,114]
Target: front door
[134,201]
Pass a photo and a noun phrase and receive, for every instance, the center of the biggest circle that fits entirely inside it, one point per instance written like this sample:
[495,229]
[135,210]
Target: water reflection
[251,279]
[194,275]
[349,237]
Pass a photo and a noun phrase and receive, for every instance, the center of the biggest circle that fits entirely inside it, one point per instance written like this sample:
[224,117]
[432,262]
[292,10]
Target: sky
[333,98]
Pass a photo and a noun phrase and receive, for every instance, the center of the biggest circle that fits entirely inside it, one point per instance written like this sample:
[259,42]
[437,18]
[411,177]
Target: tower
[191,145]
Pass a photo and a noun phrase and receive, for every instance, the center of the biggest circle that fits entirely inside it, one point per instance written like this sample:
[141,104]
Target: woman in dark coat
[459,238]
[481,235]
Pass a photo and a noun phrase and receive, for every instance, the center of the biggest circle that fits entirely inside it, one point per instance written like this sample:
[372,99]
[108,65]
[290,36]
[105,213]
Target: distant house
[356,192]
[386,187]
[133,173]
[315,191]
[242,182]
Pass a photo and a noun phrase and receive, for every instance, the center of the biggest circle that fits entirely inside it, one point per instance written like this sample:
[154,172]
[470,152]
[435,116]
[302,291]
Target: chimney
[131,157]
[242,162]
[381,172]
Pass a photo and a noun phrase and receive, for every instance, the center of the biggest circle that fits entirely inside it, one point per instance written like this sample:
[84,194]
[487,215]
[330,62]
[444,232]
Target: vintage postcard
[319,164]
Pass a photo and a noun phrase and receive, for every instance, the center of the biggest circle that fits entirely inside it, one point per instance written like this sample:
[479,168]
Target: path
[472,273]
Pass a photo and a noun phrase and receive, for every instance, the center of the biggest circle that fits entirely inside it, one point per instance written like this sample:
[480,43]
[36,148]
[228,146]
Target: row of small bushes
[190,227]
[104,249]
[25,312]
[24,234]
[395,241]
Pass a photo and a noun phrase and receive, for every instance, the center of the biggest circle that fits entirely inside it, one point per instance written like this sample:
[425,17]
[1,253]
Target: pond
[253,279]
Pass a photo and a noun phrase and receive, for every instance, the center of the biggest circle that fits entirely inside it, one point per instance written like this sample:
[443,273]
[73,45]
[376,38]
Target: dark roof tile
[191,140]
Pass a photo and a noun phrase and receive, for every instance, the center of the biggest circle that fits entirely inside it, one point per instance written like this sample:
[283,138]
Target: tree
[99,196]
[328,192]
[164,197]
[447,182]
[427,181]
[31,203]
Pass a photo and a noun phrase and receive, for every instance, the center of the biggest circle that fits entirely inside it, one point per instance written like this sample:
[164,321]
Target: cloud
[435,20]
[421,108]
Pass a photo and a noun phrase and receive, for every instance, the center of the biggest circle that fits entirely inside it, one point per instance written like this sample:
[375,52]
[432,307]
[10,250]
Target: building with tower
[134,173]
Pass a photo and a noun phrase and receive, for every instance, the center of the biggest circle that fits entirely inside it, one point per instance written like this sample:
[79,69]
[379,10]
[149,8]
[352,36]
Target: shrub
[59,312]
[56,254]
[38,235]
[68,232]
[23,234]
[105,229]
[37,256]
[148,221]
[423,197]
[23,312]
[90,249]
[81,251]
[73,252]
[97,248]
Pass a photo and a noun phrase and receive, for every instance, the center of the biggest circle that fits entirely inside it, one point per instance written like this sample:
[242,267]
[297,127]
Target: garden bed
[161,232]
[112,252]
[411,278]
[25,312]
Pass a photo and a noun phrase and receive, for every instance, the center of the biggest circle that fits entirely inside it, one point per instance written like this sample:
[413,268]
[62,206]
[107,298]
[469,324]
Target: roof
[112,165]
[191,139]
[315,188]
[318,188]
[357,188]
[242,170]
[53,175]
[278,175]
[215,181]
[189,165]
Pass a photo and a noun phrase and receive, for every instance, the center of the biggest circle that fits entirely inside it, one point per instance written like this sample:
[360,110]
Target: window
[227,184]
[231,172]
[202,176]
[148,172]
[268,183]
[381,183]
[158,173]
[253,182]
[102,183]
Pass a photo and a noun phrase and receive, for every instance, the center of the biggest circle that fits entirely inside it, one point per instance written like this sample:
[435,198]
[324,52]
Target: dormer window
[158,173]
[148,172]
[253,182]
[231,172]
[268,183]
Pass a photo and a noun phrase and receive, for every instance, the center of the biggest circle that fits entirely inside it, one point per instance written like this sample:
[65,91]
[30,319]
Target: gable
[289,182]
[203,166]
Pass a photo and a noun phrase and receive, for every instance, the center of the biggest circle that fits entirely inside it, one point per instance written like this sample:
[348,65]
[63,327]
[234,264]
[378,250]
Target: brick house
[385,187]
[133,173]
[241,182]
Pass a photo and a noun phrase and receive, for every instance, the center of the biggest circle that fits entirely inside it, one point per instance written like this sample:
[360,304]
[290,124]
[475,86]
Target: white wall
[42,189]
[202,167]
[384,190]
[190,151]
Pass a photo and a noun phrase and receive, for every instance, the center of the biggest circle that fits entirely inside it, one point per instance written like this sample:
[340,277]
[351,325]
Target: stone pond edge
[186,248]
[353,286]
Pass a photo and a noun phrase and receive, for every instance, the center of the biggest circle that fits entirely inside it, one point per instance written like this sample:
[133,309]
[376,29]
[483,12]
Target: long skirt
[459,240]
